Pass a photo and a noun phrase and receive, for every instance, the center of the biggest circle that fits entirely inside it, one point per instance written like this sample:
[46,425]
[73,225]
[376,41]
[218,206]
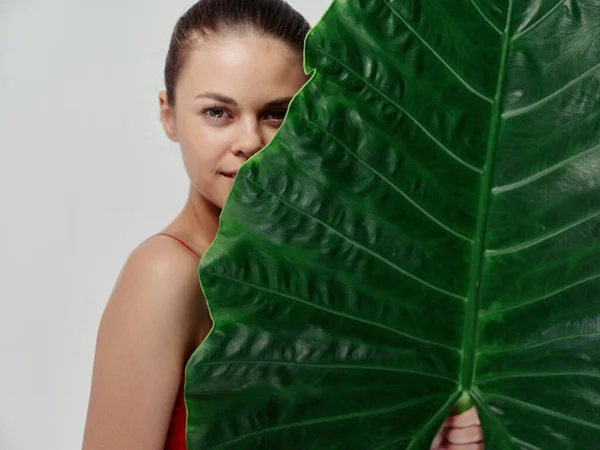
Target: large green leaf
[425,224]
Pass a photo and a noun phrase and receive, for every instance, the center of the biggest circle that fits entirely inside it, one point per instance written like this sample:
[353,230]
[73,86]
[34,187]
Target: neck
[200,218]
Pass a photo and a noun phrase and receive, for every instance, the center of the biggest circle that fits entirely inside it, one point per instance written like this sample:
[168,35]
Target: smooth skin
[230,99]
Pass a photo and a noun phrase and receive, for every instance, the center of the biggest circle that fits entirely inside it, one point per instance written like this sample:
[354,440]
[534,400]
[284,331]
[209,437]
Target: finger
[466,435]
[447,446]
[466,419]
[437,441]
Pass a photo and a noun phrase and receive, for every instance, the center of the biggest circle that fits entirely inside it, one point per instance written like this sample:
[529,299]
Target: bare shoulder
[162,263]
[160,280]
[155,318]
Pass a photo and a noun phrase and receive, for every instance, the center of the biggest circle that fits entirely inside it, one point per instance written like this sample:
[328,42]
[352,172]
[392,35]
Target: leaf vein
[392,185]
[539,21]
[393,442]
[525,109]
[540,239]
[493,312]
[481,406]
[486,18]
[362,247]
[517,349]
[525,444]
[438,56]
[512,376]
[325,366]
[335,312]
[410,116]
[530,179]
[432,420]
[478,260]
[322,420]
[544,411]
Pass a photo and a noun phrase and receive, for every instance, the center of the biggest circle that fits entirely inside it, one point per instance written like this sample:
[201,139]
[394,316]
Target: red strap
[181,242]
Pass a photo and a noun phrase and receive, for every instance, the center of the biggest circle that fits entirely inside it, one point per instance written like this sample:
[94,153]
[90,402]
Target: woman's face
[230,99]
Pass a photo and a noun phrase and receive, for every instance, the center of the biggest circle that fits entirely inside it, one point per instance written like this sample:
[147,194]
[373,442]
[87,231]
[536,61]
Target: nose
[249,140]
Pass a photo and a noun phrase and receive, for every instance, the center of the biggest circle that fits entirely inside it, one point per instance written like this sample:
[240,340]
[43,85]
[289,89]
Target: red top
[176,435]
[177,427]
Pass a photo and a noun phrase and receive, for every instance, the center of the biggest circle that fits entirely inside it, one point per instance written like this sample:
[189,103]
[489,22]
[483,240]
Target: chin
[220,202]
[212,200]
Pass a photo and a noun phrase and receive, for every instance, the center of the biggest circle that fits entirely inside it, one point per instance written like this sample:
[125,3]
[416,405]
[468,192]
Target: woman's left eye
[276,115]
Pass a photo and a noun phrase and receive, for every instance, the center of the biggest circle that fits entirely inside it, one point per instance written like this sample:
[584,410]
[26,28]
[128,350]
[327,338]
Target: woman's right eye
[216,113]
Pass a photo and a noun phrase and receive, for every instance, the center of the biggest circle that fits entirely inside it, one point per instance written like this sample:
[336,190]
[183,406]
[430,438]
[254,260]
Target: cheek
[268,133]
[203,146]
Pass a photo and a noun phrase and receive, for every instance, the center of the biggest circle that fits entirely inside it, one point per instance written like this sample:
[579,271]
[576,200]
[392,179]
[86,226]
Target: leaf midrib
[336,418]
[469,345]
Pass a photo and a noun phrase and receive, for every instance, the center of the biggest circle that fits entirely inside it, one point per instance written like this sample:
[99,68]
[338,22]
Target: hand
[460,432]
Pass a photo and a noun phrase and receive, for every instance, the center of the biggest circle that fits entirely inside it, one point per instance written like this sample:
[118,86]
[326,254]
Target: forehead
[242,67]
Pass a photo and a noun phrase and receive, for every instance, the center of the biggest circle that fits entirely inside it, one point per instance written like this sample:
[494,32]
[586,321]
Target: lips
[229,174]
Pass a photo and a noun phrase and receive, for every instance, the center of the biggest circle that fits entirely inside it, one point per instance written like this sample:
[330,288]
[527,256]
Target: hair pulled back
[208,18]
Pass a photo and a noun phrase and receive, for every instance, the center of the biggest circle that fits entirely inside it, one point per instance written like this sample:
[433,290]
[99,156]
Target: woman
[232,68]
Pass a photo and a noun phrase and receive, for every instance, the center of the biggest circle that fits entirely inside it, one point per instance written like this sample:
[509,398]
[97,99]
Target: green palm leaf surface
[423,228]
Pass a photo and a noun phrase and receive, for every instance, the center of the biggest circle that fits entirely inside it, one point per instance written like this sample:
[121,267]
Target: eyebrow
[217,97]
[229,101]
[278,102]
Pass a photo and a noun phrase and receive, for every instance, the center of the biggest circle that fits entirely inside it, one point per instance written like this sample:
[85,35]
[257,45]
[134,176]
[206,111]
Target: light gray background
[85,175]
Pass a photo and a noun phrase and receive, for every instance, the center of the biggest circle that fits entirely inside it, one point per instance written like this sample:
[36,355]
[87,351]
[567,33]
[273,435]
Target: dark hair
[207,18]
